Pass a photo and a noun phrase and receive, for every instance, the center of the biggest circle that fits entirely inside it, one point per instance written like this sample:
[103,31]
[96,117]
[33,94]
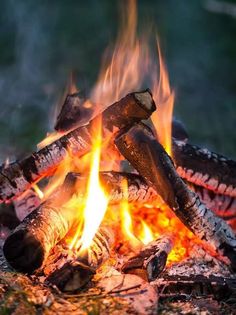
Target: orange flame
[125,70]
[164,98]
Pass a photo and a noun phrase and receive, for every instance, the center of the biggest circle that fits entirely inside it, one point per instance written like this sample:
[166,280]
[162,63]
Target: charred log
[72,273]
[204,168]
[151,260]
[223,206]
[140,148]
[74,113]
[19,176]
[30,243]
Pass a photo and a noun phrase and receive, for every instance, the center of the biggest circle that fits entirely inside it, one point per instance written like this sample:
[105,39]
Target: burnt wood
[205,168]
[141,149]
[74,113]
[72,271]
[224,206]
[19,176]
[150,261]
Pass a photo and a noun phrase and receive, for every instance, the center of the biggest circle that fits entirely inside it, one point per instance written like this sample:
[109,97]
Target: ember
[98,216]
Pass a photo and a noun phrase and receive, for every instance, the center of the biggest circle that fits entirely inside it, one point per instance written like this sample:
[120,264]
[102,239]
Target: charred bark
[140,148]
[204,168]
[74,270]
[151,259]
[223,206]
[19,176]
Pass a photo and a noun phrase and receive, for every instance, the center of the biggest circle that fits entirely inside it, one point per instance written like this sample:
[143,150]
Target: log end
[23,252]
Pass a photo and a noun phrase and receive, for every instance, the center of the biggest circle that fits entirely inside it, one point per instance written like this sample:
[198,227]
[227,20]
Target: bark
[27,248]
[151,260]
[26,203]
[223,206]
[19,176]
[141,149]
[205,168]
[72,273]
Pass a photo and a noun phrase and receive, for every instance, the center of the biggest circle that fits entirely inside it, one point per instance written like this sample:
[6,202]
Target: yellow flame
[146,235]
[38,191]
[96,201]
[164,98]
[126,219]
[50,138]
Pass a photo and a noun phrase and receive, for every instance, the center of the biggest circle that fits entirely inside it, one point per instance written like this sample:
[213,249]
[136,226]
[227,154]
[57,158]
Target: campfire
[118,197]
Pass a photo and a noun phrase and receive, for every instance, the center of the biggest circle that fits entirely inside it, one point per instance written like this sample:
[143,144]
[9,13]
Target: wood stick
[204,168]
[19,176]
[151,260]
[27,248]
[141,149]
[72,273]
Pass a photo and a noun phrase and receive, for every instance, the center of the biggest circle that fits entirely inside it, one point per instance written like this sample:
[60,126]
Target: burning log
[204,168]
[73,113]
[140,148]
[151,260]
[19,176]
[71,273]
[30,243]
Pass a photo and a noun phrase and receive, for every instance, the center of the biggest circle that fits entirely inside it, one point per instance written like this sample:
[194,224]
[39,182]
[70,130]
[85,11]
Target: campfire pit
[118,207]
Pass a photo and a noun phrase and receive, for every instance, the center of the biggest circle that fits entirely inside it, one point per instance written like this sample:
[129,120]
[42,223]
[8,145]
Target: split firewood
[30,243]
[19,176]
[141,149]
[151,260]
[73,270]
[205,168]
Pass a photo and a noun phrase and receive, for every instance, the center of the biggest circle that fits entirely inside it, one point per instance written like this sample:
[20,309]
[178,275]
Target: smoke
[25,90]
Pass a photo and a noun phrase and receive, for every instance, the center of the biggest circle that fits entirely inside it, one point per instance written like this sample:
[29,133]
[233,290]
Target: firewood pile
[196,186]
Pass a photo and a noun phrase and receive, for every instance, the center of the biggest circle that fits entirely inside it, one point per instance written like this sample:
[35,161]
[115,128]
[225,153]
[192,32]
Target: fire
[38,191]
[146,236]
[164,97]
[128,68]
[96,200]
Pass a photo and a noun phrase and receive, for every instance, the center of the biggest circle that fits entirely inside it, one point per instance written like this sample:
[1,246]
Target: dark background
[42,41]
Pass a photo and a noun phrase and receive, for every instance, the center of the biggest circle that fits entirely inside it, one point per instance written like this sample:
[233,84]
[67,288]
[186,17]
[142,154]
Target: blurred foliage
[41,41]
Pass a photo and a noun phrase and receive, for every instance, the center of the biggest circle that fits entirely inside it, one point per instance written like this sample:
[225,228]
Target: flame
[164,98]
[38,191]
[124,71]
[96,201]
[146,235]
[50,138]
